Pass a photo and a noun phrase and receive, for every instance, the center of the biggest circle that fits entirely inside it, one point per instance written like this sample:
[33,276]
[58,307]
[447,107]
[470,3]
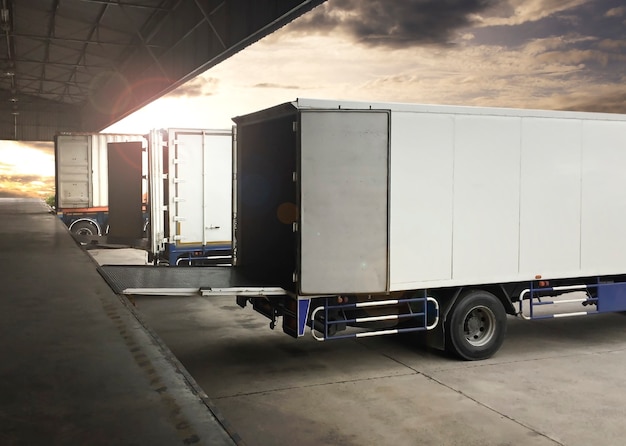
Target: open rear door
[344,175]
[156,194]
[125,190]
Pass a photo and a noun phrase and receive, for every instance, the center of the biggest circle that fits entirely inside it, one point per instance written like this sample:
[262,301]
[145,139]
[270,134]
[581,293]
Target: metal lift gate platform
[182,281]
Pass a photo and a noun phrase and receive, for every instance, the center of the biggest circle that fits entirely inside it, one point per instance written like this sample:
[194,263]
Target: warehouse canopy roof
[81,65]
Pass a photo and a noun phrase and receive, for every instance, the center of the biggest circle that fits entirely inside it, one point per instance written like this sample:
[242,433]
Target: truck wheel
[84,228]
[476,326]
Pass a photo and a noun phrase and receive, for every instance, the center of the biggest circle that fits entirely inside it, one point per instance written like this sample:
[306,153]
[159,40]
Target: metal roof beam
[71,40]
[144,42]
[51,28]
[207,17]
[53,63]
[128,4]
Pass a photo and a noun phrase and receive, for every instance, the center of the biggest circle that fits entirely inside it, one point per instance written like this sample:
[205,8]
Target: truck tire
[476,326]
[84,228]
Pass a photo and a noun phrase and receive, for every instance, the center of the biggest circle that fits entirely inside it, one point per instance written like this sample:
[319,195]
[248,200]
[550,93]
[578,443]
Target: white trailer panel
[603,195]
[486,197]
[200,186]
[550,197]
[190,193]
[430,229]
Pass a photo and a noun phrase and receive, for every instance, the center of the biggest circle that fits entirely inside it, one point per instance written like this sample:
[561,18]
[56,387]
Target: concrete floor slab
[402,410]
[76,365]
[553,382]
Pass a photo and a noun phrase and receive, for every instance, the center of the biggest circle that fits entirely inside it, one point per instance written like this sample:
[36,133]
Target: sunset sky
[547,54]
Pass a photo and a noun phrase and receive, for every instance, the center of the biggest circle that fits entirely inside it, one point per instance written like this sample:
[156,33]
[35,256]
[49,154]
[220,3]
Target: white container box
[339,197]
[190,174]
[82,168]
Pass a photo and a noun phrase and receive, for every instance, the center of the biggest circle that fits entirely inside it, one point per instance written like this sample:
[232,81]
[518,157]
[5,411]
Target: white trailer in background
[190,190]
[82,179]
[400,217]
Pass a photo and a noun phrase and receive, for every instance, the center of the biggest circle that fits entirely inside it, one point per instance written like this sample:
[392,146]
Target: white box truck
[397,217]
[82,179]
[190,184]
[168,192]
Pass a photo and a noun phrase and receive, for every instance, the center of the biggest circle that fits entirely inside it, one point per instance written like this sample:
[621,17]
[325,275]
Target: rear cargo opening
[265,200]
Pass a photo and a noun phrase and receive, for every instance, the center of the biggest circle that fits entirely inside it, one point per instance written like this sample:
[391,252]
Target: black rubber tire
[84,228]
[476,326]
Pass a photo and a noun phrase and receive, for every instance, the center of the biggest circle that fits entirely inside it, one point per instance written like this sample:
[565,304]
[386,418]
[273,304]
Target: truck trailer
[82,179]
[357,219]
[190,184]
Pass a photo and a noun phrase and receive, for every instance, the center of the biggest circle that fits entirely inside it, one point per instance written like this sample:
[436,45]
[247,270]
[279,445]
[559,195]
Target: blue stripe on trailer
[304,306]
[194,253]
[611,297]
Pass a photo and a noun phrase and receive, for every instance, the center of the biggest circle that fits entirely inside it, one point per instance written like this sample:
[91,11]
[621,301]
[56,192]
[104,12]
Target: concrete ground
[119,256]
[554,382]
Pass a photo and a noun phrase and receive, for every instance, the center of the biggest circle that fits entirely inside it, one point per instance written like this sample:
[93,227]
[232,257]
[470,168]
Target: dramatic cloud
[271,85]
[42,146]
[393,23]
[199,86]
[546,73]
[608,101]
[616,46]
[4,193]
[26,186]
[616,12]
[22,179]
[517,12]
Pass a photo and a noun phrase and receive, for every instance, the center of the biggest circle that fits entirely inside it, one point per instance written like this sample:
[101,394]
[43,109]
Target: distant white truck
[171,188]
[190,196]
[82,179]
[397,217]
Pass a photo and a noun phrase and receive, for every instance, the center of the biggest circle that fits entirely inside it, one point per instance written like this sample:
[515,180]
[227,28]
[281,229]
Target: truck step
[600,297]
[324,327]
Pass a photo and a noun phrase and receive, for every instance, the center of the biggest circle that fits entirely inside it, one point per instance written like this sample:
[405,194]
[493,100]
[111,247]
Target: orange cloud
[26,186]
